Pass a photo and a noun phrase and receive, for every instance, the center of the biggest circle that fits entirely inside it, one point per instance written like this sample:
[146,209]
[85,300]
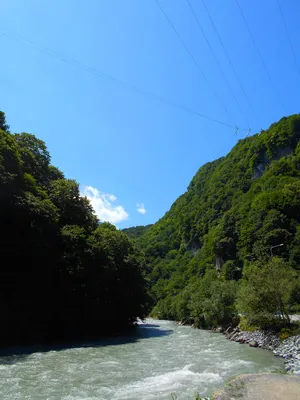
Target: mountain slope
[234,210]
[136,231]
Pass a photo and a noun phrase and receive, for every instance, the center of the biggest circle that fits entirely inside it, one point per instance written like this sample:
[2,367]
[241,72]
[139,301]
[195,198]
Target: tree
[3,124]
[265,292]
[116,266]
[62,276]
[213,301]
[74,209]
[10,164]
[55,173]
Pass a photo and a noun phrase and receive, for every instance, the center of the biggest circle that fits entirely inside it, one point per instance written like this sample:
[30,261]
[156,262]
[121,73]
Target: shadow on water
[149,325]
[12,359]
[12,355]
[150,331]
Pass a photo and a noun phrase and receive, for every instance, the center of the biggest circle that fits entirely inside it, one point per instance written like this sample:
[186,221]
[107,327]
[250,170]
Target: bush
[213,303]
[265,292]
[287,332]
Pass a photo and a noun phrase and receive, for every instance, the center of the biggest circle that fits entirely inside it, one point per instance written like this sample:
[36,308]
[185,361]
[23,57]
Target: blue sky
[126,149]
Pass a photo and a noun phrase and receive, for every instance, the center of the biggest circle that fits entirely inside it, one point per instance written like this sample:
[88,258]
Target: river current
[159,359]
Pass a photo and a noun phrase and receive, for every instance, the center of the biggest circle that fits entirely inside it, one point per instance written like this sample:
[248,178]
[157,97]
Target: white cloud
[141,208]
[102,204]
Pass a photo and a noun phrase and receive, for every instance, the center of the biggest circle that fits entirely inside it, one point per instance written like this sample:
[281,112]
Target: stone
[261,387]
[253,343]
[288,349]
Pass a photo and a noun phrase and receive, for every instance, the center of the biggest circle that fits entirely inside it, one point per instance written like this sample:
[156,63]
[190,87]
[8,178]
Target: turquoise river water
[159,359]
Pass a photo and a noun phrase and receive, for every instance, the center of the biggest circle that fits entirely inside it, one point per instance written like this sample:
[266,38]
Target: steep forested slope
[63,275]
[234,210]
[136,231]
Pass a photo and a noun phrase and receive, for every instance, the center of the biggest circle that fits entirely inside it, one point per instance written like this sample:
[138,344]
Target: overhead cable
[217,61]
[228,58]
[289,38]
[111,78]
[193,59]
[260,56]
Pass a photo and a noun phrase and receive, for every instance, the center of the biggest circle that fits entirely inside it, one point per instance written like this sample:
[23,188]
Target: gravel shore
[289,349]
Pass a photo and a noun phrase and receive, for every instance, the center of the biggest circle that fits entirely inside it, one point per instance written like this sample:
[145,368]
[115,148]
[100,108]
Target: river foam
[172,381]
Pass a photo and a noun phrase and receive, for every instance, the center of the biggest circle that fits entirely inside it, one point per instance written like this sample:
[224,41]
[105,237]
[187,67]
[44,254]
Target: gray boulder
[253,343]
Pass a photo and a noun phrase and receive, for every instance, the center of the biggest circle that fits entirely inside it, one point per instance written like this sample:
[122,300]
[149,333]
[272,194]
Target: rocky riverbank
[289,349]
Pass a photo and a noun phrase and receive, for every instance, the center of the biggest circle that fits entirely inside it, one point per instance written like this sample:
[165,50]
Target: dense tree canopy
[136,231]
[63,274]
[234,210]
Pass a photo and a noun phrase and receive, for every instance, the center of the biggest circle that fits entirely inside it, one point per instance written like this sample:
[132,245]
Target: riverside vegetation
[231,243]
[63,275]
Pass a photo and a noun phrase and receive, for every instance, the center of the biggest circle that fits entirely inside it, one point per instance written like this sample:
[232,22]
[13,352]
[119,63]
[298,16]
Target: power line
[193,59]
[228,58]
[260,56]
[77,64]
[289,38]
[217,61]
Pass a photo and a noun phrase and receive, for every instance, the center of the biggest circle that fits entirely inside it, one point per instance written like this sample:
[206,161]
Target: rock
[288,349]
[262,387]
[253,343]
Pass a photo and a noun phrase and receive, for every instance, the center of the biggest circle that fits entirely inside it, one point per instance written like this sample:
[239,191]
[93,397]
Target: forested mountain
[136,231]
[235,209]
[63,275]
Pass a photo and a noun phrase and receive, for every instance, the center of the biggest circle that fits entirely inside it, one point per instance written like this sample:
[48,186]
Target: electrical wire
[79,65]
[289,38]
[217,61]
[260,56]
[228,58]
[193,59]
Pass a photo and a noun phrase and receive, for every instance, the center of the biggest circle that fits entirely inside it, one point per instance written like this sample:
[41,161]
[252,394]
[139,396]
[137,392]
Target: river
[159,359]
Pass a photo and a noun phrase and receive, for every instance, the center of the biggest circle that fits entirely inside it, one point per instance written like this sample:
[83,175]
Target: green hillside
[136,231]
[234,210]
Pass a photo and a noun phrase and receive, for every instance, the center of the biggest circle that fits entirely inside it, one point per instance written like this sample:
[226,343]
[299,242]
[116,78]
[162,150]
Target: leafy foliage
[3,124]
[63,275]
[136,231]
[265,292]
